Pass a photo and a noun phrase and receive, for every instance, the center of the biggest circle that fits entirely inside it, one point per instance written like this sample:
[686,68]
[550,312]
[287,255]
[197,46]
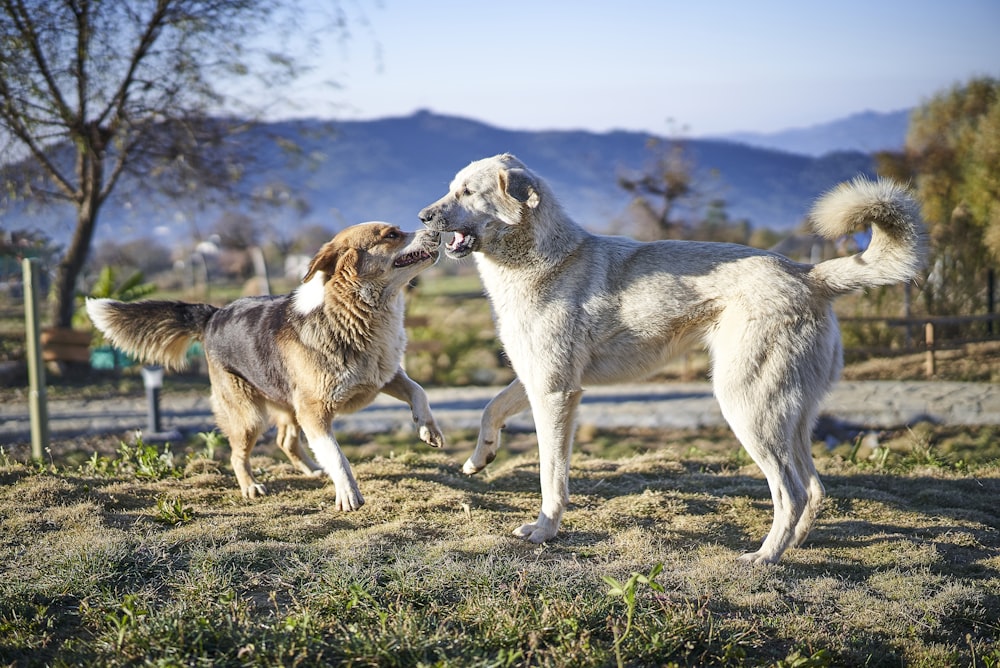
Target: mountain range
[868,131]
[388,169]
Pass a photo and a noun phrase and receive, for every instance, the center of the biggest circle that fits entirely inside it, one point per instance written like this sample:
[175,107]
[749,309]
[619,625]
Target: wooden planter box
[65,345]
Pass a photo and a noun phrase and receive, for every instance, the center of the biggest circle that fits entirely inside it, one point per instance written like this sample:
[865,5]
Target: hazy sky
[709,67]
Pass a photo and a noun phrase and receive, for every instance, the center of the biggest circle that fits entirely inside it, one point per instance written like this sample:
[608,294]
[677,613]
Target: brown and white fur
[574,309]
[325,349]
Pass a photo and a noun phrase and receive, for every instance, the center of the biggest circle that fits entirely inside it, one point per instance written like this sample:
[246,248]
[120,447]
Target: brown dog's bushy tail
[898,243]
[154,332]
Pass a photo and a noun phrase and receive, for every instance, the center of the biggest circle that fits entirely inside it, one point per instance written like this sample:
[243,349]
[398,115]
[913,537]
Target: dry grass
[116,556]
[103,567]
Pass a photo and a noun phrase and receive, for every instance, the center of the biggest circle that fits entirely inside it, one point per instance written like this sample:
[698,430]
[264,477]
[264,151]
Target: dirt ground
[973,363]
[978,362]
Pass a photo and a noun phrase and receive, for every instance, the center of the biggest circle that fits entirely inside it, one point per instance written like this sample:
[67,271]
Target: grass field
[116,554]
[150,557]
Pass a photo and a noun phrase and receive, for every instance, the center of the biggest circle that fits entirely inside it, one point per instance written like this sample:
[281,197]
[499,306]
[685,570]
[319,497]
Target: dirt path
[861,404]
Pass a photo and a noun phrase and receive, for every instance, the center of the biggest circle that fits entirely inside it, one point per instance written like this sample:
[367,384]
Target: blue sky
[704,68]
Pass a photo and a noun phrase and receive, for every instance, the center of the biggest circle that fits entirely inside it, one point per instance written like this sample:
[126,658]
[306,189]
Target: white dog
[574,309]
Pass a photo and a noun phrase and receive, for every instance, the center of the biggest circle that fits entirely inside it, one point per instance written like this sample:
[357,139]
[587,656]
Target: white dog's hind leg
[402,387]
[767,440]
[828,363]
[802,451]
[790,499]
[555,414]
[510,401]
[760,422]
[761,378]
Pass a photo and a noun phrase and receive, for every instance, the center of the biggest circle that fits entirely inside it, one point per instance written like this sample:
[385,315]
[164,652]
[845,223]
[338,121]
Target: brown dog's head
[484,201]
[376,258]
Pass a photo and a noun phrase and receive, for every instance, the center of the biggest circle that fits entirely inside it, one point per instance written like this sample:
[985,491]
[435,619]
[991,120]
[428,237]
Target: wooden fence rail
[931,341]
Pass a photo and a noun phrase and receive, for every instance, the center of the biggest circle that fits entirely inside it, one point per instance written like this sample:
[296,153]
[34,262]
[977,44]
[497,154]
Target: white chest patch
[309,296]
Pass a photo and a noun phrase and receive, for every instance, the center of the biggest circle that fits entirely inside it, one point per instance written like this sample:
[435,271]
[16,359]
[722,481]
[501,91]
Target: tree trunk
[64,288]
[90,171]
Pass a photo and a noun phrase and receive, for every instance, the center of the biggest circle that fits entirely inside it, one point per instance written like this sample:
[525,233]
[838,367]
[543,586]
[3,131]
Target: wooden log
[929,364]
[65,345]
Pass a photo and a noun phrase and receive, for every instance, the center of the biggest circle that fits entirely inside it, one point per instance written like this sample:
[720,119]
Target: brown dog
[325,349]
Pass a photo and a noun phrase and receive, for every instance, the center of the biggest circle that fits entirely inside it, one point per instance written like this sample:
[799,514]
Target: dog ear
[333,259]
[325,260]
[520,185]
[348,263]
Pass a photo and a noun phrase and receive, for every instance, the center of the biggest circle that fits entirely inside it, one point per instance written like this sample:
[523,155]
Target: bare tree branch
[96,90]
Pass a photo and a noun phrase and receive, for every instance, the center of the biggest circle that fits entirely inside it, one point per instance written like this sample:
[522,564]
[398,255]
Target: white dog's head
[486,201]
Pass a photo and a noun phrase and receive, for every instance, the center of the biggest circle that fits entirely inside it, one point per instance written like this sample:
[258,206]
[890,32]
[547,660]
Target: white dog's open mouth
[412,258]
[461,244]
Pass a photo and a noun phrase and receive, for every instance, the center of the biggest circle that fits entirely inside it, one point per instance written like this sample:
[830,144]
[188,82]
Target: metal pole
[152,378]
[37,393]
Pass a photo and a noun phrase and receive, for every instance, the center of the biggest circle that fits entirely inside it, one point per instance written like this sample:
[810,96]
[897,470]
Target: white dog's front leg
[402,387]
[511,401]
[555,414]
[329,455]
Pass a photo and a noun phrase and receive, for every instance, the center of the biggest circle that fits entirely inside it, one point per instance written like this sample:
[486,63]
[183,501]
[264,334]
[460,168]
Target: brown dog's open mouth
[412,258]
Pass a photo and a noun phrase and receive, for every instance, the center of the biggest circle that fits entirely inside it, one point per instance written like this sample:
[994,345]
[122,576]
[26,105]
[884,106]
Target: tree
[146,255]
[91,91]
[236,231]
[662,188]
[951,155]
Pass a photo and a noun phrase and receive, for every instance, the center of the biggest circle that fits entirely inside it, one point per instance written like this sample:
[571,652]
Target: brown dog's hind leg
[290,443]
[241,415]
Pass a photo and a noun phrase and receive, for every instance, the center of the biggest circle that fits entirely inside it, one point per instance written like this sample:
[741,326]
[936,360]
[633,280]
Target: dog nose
[425,215]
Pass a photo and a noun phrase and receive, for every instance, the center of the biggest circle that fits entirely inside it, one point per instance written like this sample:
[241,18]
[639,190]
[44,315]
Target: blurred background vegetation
[139,103]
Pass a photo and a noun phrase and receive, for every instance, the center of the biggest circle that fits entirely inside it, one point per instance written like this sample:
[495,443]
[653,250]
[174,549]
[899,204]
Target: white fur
[97,310]
[309,296]
[574,309]
[329,455]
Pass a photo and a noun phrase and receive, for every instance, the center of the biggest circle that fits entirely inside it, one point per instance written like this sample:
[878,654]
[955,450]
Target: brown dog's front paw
[349,499]
[254,491]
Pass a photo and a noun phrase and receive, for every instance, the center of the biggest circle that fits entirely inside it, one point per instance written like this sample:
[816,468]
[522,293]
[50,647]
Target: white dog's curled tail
[898,243]
[154,332]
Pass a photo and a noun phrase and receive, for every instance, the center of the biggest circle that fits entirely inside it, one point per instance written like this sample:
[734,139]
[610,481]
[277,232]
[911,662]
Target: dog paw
[431,435]
[254,491]
[471,467]
[757,557]
[348,499]
[534,533]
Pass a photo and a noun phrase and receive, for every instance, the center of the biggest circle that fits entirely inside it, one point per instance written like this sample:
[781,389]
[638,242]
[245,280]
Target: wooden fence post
[37,397]
[929,366]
